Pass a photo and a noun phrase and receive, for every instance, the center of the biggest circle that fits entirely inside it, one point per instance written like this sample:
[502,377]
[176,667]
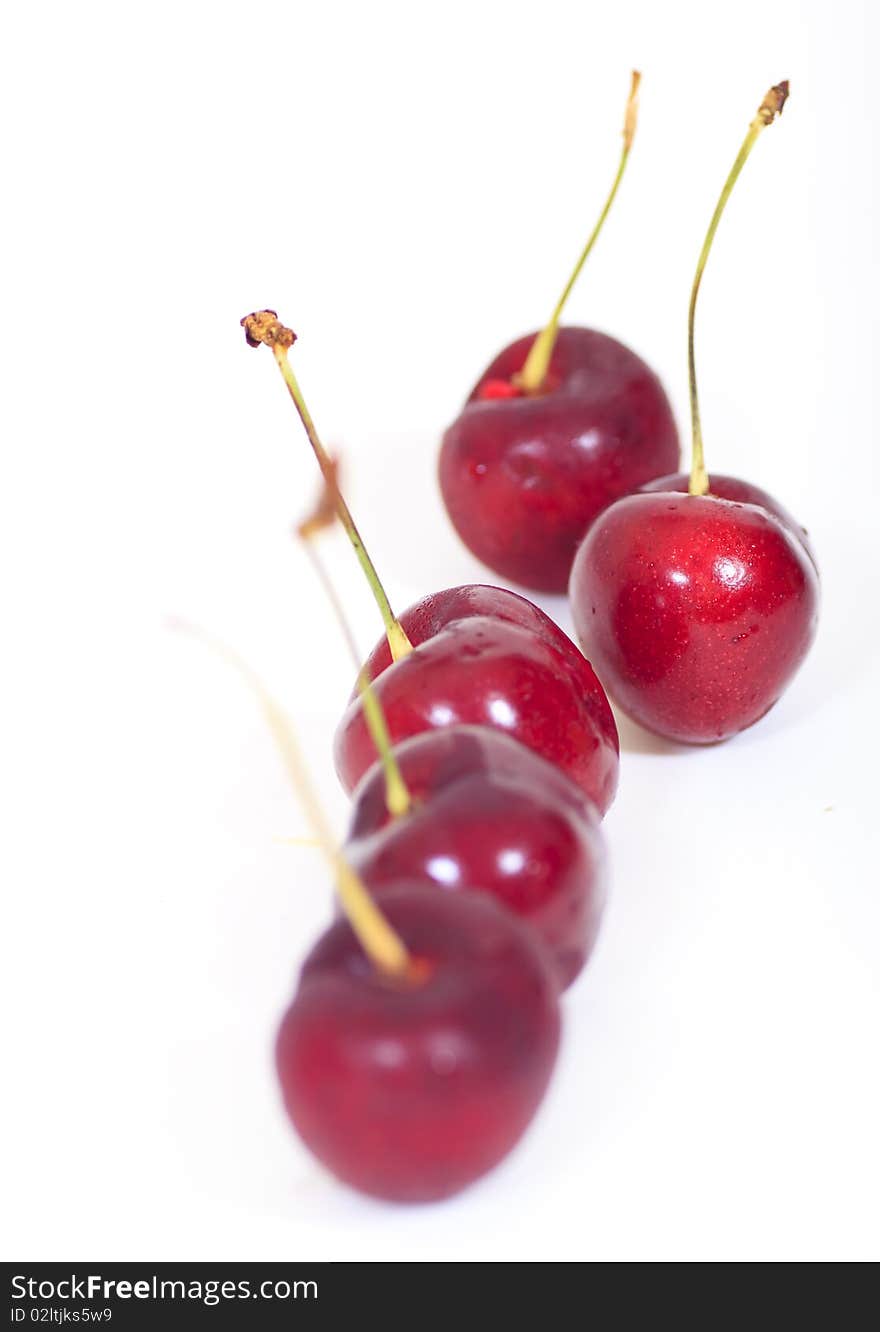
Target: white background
[408,185]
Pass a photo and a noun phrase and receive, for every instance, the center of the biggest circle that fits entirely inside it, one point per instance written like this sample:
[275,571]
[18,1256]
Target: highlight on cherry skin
[558,426]
[410,1090]
[490,816]
[741,492]
[698,598]
[483,671]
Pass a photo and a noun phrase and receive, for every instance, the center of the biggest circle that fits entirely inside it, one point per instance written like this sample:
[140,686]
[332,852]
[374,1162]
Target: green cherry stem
[397,796]
[263,326]
[770,108]
[531,378]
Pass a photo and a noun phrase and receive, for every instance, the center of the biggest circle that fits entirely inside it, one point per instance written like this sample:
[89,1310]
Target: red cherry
[743,492]
[697,611]
[483,671]
[490,816]
[523,479]
[412,1091]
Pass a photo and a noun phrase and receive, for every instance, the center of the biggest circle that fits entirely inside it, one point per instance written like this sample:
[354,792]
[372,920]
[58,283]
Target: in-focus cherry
[558,426]
[488,815]
[697,611]
[480,670]
[698,607]
[411,1090]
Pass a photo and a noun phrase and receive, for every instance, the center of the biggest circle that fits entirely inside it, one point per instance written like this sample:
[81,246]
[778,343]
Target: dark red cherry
[411,1091]
[488,815]
[732,488]
[523,477]
[483,671]
[439,610]
[696,610]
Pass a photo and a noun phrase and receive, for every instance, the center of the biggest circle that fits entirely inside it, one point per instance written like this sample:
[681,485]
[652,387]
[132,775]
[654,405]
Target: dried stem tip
[632,110]
[773,103]
[264,326]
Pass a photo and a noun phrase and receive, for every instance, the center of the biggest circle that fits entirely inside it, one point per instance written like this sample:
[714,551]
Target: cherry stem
[397,796]
[770,108]
[382,945]
[264,327]
[533,374]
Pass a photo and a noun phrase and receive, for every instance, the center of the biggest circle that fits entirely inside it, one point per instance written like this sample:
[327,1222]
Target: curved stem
[534,372]
[397,639]
[769,109]
[263,326]
[397,796]
[382,945]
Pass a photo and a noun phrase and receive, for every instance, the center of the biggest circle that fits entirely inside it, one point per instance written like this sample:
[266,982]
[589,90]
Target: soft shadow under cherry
[634,739]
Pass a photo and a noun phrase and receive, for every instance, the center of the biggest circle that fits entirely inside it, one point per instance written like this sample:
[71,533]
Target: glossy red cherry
[697,611]
[523,477]
[483,671]
[743,492]
[489,816]
[411,1091]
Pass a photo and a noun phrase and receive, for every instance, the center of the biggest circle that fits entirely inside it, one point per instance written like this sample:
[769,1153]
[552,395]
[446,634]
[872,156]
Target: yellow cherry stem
[263,326]
[382,945]
[770,108]
[531,378]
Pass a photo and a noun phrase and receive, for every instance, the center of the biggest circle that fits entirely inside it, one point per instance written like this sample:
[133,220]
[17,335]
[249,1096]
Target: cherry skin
[411,1091]
[488,815]
[434,612]
[480,670]
[697,610]
[523,476]
[744,492]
